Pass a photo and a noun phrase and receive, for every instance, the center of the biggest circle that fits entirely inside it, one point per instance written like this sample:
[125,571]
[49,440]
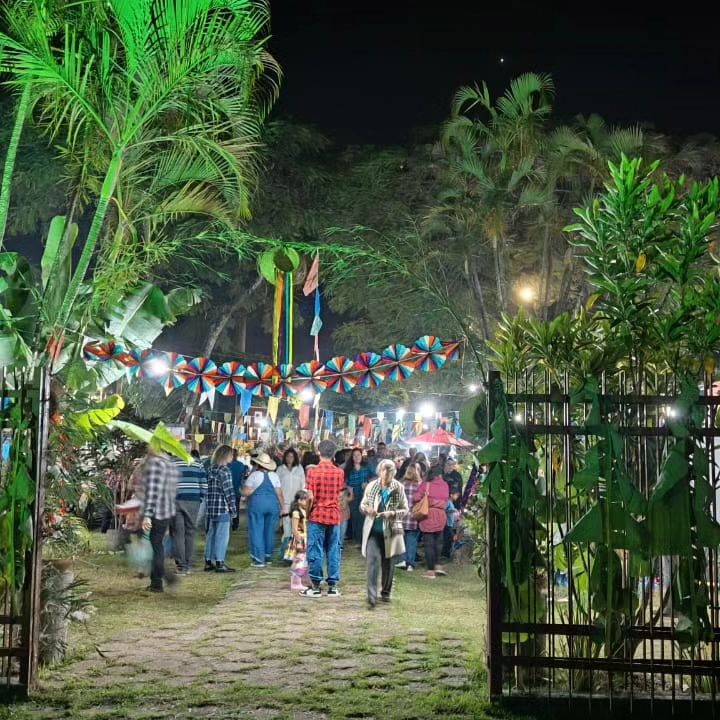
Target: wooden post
[494,588]
[33,566]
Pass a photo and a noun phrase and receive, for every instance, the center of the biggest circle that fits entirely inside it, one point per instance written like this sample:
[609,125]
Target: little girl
[298,519]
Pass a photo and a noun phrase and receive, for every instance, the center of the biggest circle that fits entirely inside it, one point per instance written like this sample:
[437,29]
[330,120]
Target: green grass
[121,601]
[417,630]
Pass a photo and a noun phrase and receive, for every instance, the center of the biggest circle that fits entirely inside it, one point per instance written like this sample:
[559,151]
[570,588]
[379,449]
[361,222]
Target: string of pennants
[340,374]
[238,427]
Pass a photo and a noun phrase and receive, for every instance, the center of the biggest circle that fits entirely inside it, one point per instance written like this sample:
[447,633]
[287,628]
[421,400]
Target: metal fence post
[494,589]
[33,576]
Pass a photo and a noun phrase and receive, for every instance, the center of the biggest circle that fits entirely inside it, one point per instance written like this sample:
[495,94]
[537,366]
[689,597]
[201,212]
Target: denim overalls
[263,514]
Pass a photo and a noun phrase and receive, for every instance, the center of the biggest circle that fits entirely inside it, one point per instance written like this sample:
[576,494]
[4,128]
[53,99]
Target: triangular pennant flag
[313,276]
[245,401]
[304,417]
[199,438]
[272,408]
[316,326]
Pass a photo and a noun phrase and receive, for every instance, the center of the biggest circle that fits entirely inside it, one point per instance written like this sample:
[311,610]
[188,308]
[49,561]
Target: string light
[400,413]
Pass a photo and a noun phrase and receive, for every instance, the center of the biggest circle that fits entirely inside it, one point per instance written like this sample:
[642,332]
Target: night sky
[376,71]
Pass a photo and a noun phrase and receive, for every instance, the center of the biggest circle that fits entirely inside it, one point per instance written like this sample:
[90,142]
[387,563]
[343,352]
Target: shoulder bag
[421,509]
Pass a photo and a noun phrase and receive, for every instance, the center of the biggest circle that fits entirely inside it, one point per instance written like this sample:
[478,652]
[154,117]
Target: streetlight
[427,410]
[527,294]
[400,413]
[307,395]
[473,388]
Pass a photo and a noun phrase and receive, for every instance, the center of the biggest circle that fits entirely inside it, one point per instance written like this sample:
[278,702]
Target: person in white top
[292,479]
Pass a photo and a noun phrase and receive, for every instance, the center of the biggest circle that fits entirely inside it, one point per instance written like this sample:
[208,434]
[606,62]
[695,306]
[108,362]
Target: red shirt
[325,482]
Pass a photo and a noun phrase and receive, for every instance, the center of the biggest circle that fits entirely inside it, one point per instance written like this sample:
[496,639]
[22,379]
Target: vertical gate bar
[494,589]
[33,577]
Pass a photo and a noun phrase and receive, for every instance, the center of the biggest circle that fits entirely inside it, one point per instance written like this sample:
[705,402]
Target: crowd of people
[391,507]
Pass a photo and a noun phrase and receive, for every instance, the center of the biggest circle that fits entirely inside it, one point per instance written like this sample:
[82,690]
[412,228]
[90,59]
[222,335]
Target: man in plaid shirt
[157,496]
[325,484]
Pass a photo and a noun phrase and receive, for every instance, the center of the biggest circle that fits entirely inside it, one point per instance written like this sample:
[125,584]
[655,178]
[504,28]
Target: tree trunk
[566,280]
[498,250]
[5,188]
[477,292]
[216,330]
[242,335]
[547,271]
[108,189]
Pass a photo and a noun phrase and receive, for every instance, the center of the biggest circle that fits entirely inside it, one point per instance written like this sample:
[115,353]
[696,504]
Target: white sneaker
[401,565]
[410,568]
[311,592]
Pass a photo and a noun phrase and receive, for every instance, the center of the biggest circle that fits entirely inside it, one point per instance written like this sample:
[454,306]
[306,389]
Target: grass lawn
[244,646]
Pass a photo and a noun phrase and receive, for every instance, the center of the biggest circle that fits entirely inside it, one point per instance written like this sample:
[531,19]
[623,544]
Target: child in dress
[298,519]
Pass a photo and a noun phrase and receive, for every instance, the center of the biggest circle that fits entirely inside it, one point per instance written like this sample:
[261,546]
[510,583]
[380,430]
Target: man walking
[237,470]
[325,483]
[191,489]
[157,506]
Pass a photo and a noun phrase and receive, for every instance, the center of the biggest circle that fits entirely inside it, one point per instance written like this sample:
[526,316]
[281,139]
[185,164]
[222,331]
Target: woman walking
[432,527]
[220,508]
[292,480]
[410,482]
[357,476]
[265,498]
[384,505]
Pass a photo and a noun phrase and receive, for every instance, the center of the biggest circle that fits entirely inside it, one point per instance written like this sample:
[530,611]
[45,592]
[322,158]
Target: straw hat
[265,461]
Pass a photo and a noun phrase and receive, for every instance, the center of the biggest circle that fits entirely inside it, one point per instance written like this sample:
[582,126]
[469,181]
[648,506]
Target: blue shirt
[237,470]
[356,478]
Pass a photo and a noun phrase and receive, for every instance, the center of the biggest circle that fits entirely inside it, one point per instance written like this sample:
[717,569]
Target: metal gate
[554,651]
[24,405]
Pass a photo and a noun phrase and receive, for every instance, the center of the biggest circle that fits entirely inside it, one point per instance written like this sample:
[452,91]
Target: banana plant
[510,490]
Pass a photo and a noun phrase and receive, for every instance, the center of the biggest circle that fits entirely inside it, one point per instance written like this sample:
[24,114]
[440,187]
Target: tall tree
[168,97]
[495,170]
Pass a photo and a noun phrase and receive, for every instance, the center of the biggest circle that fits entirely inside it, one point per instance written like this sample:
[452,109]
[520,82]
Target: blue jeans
[411,542]
[343,532]
[323,542]
[216,542]
[357,519]
[262,516]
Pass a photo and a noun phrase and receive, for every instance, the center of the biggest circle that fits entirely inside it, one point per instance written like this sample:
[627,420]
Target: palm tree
[578,159]
[34,20]
[158,107]
[495,170]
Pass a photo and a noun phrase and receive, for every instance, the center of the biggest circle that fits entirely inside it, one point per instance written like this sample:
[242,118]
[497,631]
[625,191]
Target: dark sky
[371,71]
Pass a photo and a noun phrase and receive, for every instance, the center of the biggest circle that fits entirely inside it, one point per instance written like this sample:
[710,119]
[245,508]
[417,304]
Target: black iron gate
[554,650]
[27,405]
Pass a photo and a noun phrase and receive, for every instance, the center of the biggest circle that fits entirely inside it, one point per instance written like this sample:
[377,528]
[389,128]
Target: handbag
[421,509]
[396,527]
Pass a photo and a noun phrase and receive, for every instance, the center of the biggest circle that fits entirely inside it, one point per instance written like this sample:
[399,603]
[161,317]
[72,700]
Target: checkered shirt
[325,482]
[409,523]
[157,488]
[220,496]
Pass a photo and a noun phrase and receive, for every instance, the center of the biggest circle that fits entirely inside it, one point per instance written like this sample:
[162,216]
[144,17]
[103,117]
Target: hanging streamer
[277,315]
[288,318]
[317,325]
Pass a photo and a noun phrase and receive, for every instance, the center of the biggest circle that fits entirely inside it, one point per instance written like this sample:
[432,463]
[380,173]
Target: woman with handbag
[431,499]
[384,505]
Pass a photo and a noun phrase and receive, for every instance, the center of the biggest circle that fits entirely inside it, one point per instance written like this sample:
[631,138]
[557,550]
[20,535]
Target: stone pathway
[265,652]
